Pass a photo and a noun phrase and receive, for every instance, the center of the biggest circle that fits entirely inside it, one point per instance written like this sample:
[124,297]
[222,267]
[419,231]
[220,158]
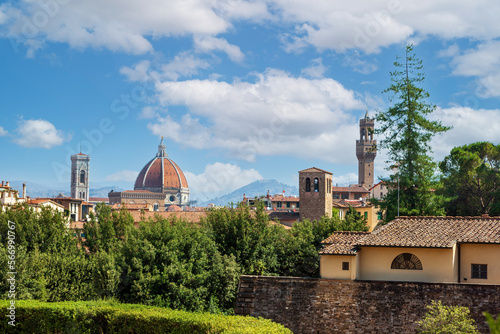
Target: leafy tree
[441,319]
[471,179]
[354,221]
[407,132]
[493,323]
[249,236]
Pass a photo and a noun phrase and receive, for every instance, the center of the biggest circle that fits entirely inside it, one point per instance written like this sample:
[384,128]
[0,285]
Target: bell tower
[366,151]
[80,176]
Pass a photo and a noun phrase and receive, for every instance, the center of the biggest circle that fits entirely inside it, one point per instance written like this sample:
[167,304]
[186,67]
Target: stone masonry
[311,305]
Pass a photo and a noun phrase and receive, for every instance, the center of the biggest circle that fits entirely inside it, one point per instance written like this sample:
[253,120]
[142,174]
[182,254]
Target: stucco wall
[480,254]
[439,265]
[330,266]
[308,305]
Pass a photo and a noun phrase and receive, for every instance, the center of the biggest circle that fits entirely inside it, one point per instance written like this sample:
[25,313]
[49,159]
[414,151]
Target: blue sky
[241,90]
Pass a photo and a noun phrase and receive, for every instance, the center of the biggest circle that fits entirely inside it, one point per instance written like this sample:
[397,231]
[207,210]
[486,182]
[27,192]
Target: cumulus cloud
[369,25]
[39,133]
[182,65]
[278,114]
[210,43]
[131,26]
[124,175]
[481,62]
[116,25]
[469,126]
[316,70]
[3,132]
[218,179]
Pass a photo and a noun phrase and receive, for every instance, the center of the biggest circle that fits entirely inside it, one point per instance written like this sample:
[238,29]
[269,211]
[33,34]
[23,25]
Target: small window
[336,196]
[379,215]
[287,204]
[344,196]
[479,271]
[308,184]
[82,177]
[155,207]
[366,215]
[316,185]
[298,204]
[279,204]
[345,265]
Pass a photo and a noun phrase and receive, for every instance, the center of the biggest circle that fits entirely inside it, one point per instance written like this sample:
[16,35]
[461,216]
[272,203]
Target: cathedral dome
[161,174]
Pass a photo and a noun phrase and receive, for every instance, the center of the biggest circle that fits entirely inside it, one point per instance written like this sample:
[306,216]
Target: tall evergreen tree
[407,132]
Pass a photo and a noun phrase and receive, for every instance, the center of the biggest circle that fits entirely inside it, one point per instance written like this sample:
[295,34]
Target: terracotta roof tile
[350,190]
[342,242]
[314,170]
[432,232]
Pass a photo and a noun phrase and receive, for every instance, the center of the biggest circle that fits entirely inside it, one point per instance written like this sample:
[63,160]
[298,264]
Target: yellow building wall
[480,254]
[439,265]
[330,266]
[372,218]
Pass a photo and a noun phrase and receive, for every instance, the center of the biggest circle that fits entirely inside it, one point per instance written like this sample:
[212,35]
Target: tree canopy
[471,179]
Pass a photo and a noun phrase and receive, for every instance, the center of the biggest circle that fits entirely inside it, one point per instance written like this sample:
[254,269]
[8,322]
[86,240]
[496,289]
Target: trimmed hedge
[109,317]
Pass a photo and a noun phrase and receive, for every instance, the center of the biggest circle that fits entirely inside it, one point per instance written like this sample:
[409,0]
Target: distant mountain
[39,190]
[253,189]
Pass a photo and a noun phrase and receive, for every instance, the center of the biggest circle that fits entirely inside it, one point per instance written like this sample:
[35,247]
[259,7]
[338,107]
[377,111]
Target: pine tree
[407,133]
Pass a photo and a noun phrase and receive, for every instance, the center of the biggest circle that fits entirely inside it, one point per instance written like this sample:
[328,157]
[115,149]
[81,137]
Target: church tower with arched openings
[80,164]
[366,151]
[315,191]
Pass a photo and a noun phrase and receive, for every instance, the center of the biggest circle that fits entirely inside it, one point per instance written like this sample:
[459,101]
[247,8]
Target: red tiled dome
[174,208]
[160,173]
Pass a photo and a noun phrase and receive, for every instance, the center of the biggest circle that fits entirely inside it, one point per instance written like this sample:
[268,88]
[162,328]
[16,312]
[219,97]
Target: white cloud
[276,115]
[132,26]
[482,62]
[345,180]
[183,65]
[3,132]
[210,43]
[138,72]
[39,133]
[316,70]
[469,126]
[369,25]
[114,24]
[124,175]
[218,179]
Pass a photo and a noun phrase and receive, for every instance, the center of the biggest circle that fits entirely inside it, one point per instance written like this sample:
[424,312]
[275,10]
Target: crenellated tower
[366,151]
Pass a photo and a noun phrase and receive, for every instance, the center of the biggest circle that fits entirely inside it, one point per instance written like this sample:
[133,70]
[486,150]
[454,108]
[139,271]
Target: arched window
[308,184]
[82,177]
[316,185]
[406,261]
[363,134]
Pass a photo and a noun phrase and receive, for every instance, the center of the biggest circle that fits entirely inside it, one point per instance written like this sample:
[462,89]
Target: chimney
[24,190]
[2,183]
[7,184]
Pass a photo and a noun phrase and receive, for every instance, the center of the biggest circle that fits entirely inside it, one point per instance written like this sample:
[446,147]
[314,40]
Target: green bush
[492,323]
[110,317]
[441,319]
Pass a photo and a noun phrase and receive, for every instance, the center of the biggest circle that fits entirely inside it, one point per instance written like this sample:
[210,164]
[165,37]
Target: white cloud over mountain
[218,179]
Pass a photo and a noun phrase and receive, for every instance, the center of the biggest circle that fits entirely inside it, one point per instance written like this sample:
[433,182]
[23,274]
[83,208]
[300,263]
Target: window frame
[477,271]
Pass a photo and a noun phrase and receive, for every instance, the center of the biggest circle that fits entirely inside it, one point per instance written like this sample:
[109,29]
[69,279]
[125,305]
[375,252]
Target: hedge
[33,316]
